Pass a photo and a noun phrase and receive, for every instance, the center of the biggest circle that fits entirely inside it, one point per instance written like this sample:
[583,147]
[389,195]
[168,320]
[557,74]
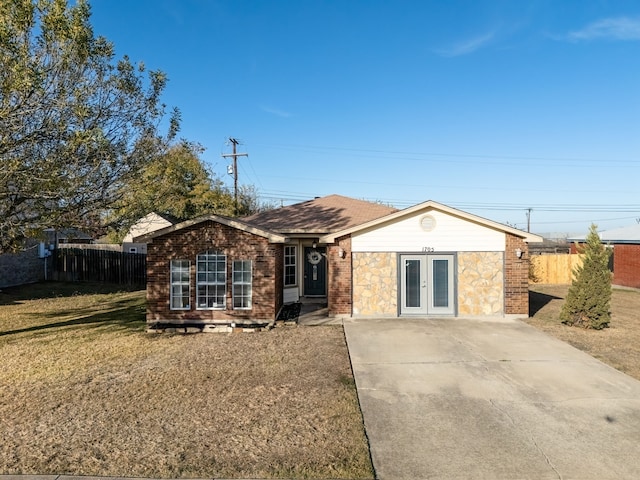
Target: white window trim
[234,283]
[295,266]
[172,283]
[199,283]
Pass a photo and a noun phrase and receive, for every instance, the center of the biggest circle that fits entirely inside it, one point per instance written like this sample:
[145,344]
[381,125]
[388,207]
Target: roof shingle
[320,215]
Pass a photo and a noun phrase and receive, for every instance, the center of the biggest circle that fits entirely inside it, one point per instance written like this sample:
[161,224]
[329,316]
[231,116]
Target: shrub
[589,299]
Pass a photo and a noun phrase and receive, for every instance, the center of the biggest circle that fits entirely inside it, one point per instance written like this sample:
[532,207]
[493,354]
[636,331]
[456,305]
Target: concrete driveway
[470,399]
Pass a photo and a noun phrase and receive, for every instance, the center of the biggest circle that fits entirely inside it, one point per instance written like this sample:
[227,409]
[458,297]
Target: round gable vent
[427,223]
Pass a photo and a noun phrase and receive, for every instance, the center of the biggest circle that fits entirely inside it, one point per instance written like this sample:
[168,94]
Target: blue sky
[492,107]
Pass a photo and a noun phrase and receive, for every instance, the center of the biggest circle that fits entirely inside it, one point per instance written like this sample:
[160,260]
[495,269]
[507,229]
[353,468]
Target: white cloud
[621,28]
[466,47]
[276,112]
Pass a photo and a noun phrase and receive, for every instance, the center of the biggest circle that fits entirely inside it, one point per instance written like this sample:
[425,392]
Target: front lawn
[618,345]
[85,391]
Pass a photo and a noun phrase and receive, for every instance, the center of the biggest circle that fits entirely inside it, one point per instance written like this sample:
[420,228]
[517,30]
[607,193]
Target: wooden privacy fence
[553,269]
[88,265]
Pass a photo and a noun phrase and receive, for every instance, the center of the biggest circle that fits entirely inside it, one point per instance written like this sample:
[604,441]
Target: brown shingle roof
[320,215]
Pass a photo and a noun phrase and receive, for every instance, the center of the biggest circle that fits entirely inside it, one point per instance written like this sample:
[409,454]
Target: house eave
[431,205]
[245,227]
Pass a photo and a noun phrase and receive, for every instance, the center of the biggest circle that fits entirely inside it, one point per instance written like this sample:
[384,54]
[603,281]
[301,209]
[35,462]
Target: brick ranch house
[364,259]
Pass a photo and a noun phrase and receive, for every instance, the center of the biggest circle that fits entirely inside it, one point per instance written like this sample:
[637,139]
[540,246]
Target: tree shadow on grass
[127,315]
[43,290]
[537,301]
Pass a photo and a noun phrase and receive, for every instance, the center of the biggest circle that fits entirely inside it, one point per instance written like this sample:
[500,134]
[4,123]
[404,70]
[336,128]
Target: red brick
[516,292]
[186,244]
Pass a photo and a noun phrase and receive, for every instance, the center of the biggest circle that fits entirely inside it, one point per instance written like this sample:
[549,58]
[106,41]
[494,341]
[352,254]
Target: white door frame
[427,284]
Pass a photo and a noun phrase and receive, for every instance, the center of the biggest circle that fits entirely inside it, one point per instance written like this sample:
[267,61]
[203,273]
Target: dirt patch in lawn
[86,391]
[618,345]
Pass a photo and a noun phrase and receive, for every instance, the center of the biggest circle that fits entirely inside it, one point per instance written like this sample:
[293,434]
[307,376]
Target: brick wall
[340,285]
[516,277]
[186,244]
[626,265]
[22,267]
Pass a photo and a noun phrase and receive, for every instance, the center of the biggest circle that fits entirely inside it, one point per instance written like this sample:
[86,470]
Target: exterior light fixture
[314,244]
[518,253]
[341,253]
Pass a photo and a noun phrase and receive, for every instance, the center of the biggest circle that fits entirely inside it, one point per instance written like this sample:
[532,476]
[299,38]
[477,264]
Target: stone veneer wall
[375,283]
[480,283]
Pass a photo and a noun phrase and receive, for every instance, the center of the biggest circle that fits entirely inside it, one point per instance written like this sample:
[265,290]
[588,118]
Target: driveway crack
[530,435]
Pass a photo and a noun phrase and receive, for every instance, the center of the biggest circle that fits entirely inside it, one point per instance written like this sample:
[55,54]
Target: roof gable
[319,216]
[149,223]
[331,217]
[424,208]
[231,222]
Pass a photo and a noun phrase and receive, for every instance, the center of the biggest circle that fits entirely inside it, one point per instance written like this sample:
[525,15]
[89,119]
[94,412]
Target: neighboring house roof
[617,235]
[319,216]
[231,222]
[425,207]
[149,223]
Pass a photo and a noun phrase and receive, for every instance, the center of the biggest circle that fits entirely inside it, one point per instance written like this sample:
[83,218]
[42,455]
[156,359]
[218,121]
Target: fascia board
[431,205]
[271,236]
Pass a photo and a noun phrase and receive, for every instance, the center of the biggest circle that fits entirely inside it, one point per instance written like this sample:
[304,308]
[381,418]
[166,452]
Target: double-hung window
[290,265]
[180,292]
[211,280]
[242,282]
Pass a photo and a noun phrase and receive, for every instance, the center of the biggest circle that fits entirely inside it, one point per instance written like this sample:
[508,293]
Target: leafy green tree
[176,183]
[589,299]
[75,123]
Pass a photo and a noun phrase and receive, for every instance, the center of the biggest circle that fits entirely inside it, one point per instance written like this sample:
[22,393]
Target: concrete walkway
[468,399]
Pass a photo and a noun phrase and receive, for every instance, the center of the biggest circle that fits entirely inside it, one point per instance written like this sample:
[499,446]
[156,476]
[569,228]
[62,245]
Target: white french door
[427,284]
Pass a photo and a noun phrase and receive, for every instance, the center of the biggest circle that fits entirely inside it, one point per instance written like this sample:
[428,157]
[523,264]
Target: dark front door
[315,271]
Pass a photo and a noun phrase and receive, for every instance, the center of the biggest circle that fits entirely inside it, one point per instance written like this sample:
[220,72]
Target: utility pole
[235,155]
[529,220]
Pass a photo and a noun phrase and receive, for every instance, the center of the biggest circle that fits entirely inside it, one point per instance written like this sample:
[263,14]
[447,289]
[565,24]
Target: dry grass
[618,345]
[85,391]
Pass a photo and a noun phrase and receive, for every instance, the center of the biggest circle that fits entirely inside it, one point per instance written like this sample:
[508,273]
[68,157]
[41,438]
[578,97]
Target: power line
[404,185]
[368,152]
[563,208]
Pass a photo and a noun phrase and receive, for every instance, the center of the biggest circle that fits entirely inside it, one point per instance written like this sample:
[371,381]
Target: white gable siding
[451,234]
[149,223]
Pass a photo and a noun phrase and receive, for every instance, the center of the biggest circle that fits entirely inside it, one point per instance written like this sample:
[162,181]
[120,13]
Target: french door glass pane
[440,283]
[412,283]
